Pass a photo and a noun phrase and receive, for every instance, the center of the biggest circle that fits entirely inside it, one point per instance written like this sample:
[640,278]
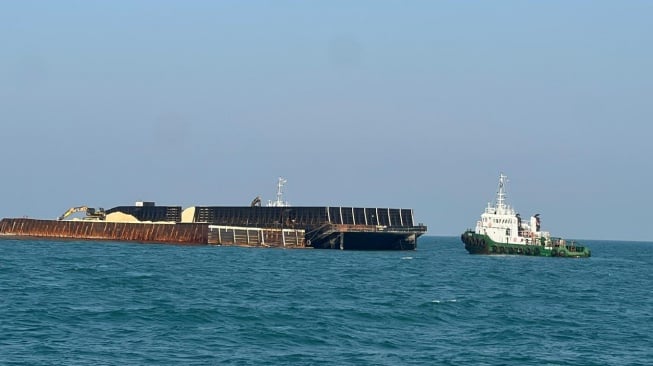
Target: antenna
[279,202]
[501,193]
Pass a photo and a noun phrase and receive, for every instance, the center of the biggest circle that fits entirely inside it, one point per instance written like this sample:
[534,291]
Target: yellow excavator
[91,213]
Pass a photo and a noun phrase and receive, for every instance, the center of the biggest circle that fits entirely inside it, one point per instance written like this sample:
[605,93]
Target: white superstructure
[503,225]
[279,202]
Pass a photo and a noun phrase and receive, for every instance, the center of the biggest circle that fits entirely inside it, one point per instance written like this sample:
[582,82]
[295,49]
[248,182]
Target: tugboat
[501,231]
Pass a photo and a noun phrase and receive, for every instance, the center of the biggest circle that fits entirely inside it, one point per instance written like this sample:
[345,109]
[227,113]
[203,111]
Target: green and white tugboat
[501,231]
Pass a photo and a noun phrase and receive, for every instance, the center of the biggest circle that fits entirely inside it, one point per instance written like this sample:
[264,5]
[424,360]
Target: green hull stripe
[482,244]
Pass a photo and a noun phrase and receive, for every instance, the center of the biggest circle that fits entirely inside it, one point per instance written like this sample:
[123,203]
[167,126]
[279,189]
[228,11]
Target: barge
[275,225]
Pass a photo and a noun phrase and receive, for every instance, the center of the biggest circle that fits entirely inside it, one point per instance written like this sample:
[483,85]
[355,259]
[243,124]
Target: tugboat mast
[501,194]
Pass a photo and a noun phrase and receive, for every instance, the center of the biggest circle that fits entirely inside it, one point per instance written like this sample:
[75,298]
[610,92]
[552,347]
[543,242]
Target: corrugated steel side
[150,213]
[256,237]
[102,230]
[302,217]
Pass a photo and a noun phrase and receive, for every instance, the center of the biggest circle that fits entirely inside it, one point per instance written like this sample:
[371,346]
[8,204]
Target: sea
[105,303]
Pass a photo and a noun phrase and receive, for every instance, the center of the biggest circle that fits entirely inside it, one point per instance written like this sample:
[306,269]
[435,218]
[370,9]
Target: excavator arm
[90,212]
[72,210]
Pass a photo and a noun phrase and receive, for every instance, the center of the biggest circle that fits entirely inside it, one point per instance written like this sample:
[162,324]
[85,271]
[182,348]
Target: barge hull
[380,241]
[365,237]
[256,237]
[328,236]
[190,233]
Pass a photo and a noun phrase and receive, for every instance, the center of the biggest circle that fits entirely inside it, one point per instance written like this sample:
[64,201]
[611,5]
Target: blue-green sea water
[91,303]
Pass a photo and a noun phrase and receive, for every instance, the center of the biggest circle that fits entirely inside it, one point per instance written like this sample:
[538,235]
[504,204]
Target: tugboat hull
[482,244]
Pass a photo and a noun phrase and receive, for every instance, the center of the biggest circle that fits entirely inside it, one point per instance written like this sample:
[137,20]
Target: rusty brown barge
[278,226]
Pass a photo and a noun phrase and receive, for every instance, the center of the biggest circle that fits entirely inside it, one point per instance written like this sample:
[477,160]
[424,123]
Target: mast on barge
[279,202]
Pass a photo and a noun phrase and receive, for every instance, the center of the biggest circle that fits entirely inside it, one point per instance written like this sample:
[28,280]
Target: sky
[402,104]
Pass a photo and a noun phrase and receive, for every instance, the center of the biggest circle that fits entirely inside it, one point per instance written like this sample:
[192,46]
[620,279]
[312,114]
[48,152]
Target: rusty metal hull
[328,236]
[195,234]
[256,237]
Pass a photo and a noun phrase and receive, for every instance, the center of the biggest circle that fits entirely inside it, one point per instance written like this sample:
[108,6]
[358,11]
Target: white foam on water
[443,301]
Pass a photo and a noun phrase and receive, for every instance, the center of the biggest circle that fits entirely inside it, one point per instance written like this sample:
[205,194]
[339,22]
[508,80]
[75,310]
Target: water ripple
[79,303]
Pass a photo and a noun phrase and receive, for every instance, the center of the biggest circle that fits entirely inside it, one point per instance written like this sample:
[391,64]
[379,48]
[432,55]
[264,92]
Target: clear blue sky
[414,104]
